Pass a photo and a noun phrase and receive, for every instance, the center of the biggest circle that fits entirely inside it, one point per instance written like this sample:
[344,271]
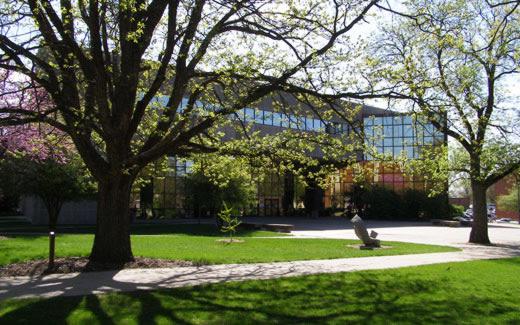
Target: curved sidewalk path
[152,279]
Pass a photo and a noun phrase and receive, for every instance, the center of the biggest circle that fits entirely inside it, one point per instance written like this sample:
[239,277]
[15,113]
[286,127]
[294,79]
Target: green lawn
[206,249]
[477,292]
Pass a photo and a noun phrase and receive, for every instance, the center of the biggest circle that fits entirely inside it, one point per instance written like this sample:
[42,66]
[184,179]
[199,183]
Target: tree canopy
[133,80]
[454,62]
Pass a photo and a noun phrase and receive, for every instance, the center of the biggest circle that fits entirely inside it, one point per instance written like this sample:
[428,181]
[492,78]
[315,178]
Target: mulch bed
[81,264]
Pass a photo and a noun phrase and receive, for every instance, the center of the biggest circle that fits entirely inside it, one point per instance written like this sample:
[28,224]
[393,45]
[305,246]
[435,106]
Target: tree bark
[479,229]
[112,240]
[53,207]
[288,194]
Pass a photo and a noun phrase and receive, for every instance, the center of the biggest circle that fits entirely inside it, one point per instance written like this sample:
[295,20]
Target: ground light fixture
[52,245]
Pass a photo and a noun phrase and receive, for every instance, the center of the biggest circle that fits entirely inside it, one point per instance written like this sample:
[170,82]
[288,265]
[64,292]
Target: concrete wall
[79,213]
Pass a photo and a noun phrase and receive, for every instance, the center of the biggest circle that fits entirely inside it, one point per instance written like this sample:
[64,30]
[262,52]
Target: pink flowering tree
[38,159]
[35,140]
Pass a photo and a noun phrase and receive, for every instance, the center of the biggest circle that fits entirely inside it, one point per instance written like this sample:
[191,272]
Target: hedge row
[378,202]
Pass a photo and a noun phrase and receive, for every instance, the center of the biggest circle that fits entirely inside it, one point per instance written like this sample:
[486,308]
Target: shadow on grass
[363,297]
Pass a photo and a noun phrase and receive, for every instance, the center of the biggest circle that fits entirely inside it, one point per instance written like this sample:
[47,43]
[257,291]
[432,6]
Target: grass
[477,292]
[206,249]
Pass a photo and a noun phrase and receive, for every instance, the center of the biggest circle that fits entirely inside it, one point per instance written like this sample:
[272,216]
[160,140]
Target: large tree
[457,63]
[106,63]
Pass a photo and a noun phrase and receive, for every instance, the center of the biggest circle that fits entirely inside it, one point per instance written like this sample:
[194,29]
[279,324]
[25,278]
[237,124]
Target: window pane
[240,114]
[189,166]
[409,152]
[388,130]
[184,103]
[408,131]
[309,124]
[300,122]
[397,151]
[377,130]
[294,122]
[250,115]
[277,119]
[285,121]
[259,116]
[317,125]
[429,129]
[268,118]
[398,131]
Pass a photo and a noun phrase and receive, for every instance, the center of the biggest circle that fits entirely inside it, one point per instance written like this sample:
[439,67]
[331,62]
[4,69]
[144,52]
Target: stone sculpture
[361,231]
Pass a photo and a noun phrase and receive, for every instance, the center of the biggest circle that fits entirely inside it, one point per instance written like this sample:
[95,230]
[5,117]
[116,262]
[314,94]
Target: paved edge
[75,284]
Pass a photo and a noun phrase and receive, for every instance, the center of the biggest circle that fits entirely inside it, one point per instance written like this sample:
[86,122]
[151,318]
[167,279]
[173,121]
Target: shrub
[456,210]
[204,196]
[383,203]
[510,201]
[8,202]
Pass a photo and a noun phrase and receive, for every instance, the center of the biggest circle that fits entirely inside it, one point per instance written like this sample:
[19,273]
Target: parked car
[491,213]
[464,220]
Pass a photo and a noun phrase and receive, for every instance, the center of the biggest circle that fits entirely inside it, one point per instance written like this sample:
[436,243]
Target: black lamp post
[52,249]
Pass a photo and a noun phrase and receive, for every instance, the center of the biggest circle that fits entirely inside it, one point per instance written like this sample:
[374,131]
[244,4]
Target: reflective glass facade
[270,118]
[396,135]
[290,121]
[391,136]
[388,133]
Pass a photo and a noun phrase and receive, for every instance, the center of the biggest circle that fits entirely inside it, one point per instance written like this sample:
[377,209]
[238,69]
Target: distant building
[504,187]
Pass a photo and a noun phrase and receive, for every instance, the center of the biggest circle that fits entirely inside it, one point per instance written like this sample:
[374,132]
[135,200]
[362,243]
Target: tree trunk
[288,194]
[479,229]
[53,207]
[112,240]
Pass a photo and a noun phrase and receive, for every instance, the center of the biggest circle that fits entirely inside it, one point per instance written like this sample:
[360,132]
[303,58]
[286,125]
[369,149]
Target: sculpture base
[364,247]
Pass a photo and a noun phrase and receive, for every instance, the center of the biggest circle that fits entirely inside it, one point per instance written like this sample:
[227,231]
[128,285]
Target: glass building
[388,134]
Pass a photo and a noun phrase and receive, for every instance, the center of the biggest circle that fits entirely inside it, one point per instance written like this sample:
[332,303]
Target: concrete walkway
[506,236]
[152,279]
